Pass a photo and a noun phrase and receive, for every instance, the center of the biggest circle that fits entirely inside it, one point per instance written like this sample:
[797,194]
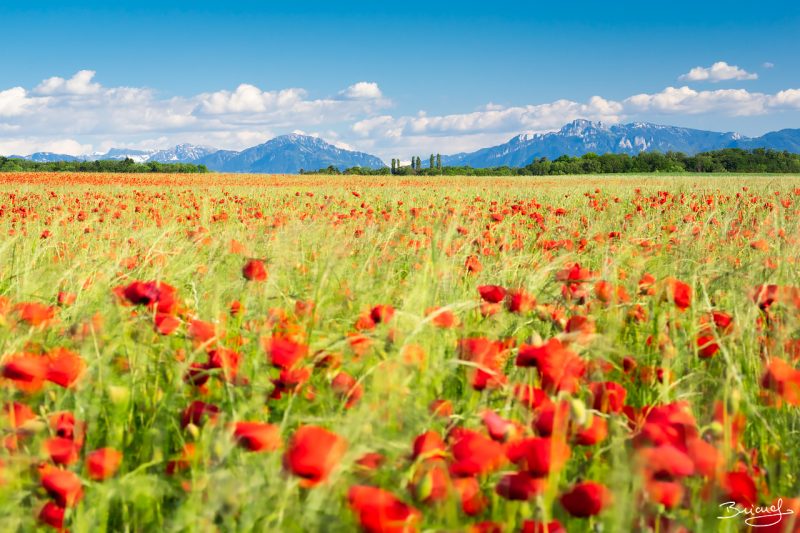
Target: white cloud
[78,107]
[80,83]
[719,71]
[78,115]
[362,90]
[731,102]
[25,146]
[493,118]
[767,64]
[249,99]
[15,102]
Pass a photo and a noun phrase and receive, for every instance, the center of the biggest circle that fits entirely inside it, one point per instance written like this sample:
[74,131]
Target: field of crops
[278,353]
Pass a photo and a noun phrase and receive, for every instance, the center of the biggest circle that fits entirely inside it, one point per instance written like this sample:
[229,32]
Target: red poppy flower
[380,511]
[284,353]
[166,324]
[201,331]
[429,445]
[103,463]
[520,301]
[666,462]
[474,454]
[586,499]
[313,453]
[18,413]
[198,413]
[740,488]
[65,426]
[499,428]
[533,526]
[707,346]
[63,486]
[257,436]
[254,270]
[35,314]
[156,295]
[608,396]
[539,456]
[667,493]
[62,451]
[559,367]
[236,308]
[472,499]
[381,314]
[371,461]
[441,407]
[679,292]
[226,360]
[492,293]
[188,454]
[520,486]
[290,381]
[783,379]
[52,515]
[594,433]
[672,423]
[27,371]
[530,396]
[66,298]
[431,483]
[64,367]
[441,317]
[346,387]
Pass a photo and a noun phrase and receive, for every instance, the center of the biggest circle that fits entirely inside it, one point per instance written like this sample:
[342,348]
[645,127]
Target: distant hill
[580,137]
[284,154]
[288,154]
[291,153]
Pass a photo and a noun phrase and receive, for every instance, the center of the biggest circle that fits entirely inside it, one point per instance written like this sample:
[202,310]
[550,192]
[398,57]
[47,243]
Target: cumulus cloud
[362,90]
[768,65]
[719,71]
[79,115]
[493,118]
[81,108]
[25,146]
[249,99]
[80,83]
[731,102]
[15,102]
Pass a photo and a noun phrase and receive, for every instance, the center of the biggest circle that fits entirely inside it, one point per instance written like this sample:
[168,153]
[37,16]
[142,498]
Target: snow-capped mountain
[182,153]
[118,154]
[284,154]
[582,136]
[289,153]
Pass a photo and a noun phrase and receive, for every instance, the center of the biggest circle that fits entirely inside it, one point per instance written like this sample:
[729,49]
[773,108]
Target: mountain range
[582,136]
[293,152]
[281,155]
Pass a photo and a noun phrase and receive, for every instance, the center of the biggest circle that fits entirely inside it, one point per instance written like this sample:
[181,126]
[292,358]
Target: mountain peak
[582,136]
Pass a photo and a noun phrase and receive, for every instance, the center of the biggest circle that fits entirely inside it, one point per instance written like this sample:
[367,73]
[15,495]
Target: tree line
[759,160]
[105,165]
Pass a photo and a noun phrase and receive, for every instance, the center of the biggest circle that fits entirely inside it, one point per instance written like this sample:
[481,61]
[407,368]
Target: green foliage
[759,160]
[106,165]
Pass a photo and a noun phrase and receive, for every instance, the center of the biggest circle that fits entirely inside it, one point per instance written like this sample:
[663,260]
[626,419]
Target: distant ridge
[580,137]
[293,152]
[283,154]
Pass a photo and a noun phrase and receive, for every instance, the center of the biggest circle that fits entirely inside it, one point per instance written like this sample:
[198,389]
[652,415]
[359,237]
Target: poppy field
[311,353]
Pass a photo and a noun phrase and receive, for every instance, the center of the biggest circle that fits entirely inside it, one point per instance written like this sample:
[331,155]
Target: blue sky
[389,78]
